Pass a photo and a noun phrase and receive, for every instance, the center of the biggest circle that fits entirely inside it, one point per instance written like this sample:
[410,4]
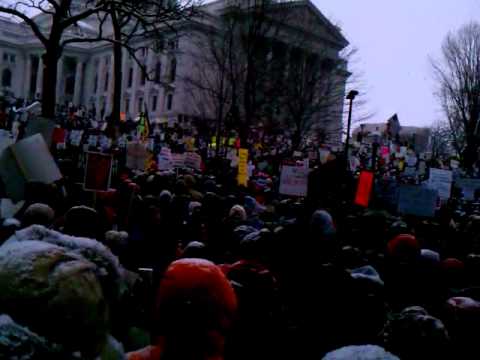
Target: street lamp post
[351,96]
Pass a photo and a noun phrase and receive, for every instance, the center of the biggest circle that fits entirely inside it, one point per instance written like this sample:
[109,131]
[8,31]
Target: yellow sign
[243,167]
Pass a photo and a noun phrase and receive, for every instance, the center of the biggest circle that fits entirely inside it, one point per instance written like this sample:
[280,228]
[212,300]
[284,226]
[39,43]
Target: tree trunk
[49,86]
[117,74]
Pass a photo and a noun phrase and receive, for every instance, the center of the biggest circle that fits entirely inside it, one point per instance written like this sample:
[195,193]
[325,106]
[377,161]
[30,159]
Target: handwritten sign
[441,180]
[417,200]
[294,181]
[98,171]
[137,156]
[364,189]
[165,159]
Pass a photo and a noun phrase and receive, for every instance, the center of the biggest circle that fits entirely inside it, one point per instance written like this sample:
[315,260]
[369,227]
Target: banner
[441,181]
[364,189]
[98,172]
[178,160]
[417,200]
[294,181]
[193,160]
[243,167]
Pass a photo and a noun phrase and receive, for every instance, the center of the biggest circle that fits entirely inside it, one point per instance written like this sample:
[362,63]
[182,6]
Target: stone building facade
[86,69]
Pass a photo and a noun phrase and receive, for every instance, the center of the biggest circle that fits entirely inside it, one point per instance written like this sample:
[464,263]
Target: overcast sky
[395,39]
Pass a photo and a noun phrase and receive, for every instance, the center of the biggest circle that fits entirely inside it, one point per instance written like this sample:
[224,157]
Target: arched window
[6,78]
[173,70]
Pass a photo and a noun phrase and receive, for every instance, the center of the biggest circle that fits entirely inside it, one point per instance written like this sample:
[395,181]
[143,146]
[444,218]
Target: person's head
[117,242]
[321,224]
[364,352]
[404,248]
[195,307]
[38,214]
[237,213]
[414,334]
[195,250]
[54,292]
[82,221]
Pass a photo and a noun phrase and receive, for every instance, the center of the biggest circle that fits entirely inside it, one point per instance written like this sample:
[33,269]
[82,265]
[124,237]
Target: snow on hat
[367,273]
[194,294]
[430,255]
[56,293]
[364,352]
[404,246]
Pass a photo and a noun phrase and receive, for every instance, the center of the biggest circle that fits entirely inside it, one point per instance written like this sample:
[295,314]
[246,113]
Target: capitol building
[85,70]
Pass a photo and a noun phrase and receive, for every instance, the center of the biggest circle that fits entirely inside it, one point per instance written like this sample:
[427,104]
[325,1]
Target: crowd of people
[185,266]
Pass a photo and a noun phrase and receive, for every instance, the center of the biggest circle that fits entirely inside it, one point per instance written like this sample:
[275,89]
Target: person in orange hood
[195,307]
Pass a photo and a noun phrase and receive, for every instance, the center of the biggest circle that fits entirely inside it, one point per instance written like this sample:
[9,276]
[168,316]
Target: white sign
[294,181]
[441,180]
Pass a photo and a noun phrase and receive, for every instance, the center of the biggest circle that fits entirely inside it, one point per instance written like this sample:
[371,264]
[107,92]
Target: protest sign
[294,181]
[385,152]
[98,171]
[92,140]
[29,160]
[178,160]
[193,160]
[243,167]
[441,180]
[165,159]
[468,187]
[76,137]
[58,135]
[137,156]
[364,189]
[323,154]
[417,200]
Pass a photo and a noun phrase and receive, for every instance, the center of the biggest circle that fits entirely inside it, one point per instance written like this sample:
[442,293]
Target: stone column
[39,77]
[60,80]
[133,93]
[148,84]
[109,95]
[28,77]
[77,95]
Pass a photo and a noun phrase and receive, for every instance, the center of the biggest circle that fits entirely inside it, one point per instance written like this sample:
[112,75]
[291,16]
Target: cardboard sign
[137,155]
[98,172]
[294,181]
[417,200]
[29,160]
[469,187]
[441,180]
[243,167]
[364,189]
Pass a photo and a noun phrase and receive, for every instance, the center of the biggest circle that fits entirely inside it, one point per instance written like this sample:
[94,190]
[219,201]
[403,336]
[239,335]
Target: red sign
[364,190]
[98,172]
